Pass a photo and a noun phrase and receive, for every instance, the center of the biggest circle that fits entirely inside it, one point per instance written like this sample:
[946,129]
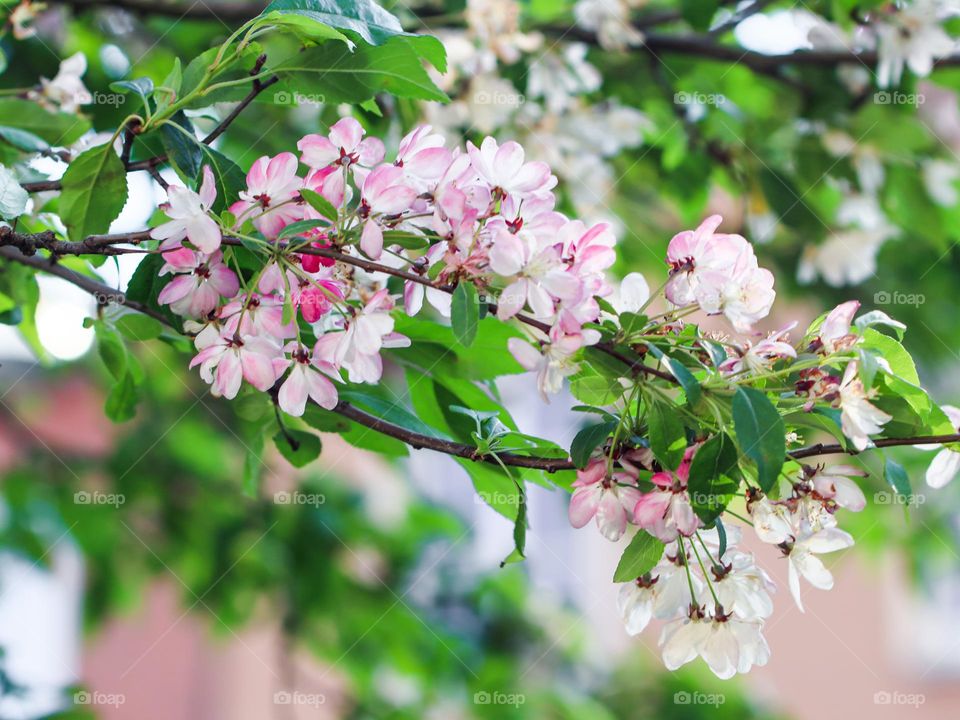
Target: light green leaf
[639,557]
[94,192]
[364,17]
[341,75]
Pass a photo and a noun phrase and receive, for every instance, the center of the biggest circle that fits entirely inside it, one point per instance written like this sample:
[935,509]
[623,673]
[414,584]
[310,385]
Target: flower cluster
[483,215]
[713,596]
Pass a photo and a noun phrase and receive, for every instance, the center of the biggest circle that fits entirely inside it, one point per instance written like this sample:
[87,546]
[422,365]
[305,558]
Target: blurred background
[137,580]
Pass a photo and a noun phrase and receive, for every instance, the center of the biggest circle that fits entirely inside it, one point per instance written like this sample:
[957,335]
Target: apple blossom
[608,498]
[200,282]
[270,197]
[189,217]
[666,511]
[859,417]
[345,147]
[306,380]
[946,462]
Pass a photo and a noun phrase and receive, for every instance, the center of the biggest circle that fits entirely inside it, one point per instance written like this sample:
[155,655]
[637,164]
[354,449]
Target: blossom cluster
[713,596]
[482,214]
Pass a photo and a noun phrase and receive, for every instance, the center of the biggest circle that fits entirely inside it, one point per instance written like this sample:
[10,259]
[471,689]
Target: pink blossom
[357,347]
[423,157]
[609,499]
[504,169]
[554,361]
[384,193]
[188,213]
[257,315]
[345,147]
[231,359]
[666,511]
[273,188]
[758,358]
[307,380]
[835,331]
[199,284]
[718,272]
[539,275]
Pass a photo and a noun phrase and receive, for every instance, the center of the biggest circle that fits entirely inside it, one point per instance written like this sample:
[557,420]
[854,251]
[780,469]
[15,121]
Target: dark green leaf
[760,433]
[319,203]
[464,313]
[121,404]
[588,439]
[713,477]
[668,441]
[298,447]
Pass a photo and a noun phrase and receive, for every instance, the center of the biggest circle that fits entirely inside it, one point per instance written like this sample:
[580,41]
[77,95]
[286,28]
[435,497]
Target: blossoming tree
[306,286]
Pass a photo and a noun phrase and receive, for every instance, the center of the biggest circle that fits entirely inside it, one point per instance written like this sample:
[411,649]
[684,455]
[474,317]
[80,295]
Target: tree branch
[28,244]
[836,448]
[106,295]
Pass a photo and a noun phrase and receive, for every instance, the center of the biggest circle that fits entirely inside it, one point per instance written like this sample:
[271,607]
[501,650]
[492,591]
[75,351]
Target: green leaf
[341,75]
[760,433]
[56,128]
[181,146]
[390,411]
[23,139]
[300,227]
[714,477]
[228,177]
[298,447]
[588,439]
[139,327]
[639,557]
[897,478]
[363,17]
[788,203]
[252,464]
[464,313]
[668,441]
[142,86]
[699,13]
[494,487]
[319,203]
[121,404]
[13,198]
[94,192]
[112,351]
